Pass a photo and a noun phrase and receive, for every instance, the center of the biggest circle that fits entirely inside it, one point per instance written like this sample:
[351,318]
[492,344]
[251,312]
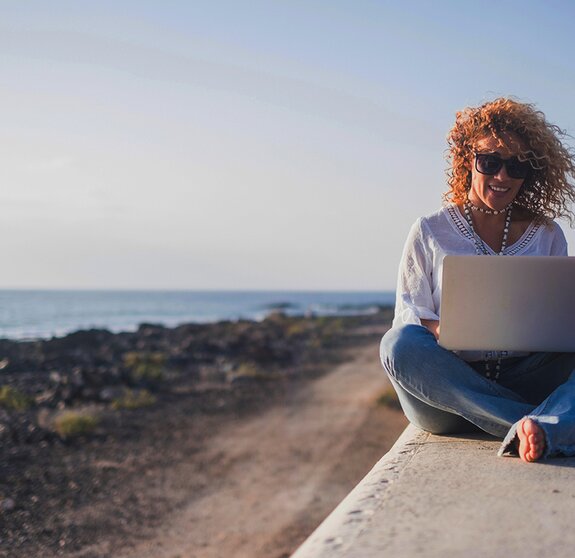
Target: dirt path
[275,476]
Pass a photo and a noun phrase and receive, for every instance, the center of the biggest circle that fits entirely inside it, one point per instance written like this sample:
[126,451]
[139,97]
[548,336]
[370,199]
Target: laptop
[508,303]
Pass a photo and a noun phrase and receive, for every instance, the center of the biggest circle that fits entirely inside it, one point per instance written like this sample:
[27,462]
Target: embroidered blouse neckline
[463,228]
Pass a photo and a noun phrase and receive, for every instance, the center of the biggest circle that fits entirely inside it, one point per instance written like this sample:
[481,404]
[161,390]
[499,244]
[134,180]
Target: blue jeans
[441,393]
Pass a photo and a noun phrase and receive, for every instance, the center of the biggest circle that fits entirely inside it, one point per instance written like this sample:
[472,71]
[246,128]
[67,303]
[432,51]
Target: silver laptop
[508,303]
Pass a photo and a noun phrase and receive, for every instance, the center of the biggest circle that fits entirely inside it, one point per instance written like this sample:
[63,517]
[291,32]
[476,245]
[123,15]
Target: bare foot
[531,440]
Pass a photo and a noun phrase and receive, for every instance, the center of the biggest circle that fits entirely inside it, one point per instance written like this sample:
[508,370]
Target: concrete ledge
[452,496]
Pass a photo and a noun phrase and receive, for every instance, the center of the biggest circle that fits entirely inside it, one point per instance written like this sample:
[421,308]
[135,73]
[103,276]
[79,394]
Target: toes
[531,440]
[535,441]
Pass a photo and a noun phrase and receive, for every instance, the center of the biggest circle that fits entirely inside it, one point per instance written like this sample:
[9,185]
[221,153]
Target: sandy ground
[175,481]
[272,478]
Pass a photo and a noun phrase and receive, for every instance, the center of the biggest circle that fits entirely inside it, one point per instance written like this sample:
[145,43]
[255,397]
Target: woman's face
[498,190]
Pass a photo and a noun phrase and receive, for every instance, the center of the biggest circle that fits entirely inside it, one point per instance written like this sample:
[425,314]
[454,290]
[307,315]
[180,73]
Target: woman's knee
[400,344]
[440,422]
[429,418]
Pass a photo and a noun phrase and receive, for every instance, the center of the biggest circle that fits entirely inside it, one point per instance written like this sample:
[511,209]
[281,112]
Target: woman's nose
[501,174]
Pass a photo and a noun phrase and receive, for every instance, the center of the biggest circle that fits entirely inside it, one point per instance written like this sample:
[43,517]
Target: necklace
[487,211]
[481,249]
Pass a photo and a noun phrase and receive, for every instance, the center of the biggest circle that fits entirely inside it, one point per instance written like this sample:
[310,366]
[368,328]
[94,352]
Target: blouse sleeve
[558,244]
[414,300]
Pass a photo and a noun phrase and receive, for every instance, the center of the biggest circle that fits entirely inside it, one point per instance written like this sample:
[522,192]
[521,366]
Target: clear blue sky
[256,144]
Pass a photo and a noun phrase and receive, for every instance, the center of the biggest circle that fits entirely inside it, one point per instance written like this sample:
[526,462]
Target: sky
[247,145]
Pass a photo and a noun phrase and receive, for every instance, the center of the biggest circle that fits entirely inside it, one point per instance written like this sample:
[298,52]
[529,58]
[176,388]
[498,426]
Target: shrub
[388,398]
[330,329]
[13,399]
[72,424]
[297,328]
[134,399]
[250,370]
[146,367]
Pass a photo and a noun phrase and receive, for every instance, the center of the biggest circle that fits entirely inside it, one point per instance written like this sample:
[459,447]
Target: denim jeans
[441,393]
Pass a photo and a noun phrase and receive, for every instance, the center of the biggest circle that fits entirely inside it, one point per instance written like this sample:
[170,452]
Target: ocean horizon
[41,314]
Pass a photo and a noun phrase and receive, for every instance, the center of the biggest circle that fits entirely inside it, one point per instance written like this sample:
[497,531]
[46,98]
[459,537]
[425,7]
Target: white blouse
[431,238]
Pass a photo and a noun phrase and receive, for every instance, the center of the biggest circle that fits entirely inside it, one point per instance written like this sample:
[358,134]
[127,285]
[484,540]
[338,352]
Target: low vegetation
[146,367]
[331,328]
[72,424]
[388,398]
[252,371]
[134,399]
[13,399]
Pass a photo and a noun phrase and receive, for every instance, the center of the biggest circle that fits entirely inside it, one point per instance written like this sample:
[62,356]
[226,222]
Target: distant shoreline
[40,315]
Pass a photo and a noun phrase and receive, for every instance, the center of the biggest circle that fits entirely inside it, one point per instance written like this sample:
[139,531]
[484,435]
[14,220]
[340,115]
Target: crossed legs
[443,394]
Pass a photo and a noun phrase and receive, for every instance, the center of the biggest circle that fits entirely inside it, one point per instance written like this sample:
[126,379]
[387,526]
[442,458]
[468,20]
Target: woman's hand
[433,326]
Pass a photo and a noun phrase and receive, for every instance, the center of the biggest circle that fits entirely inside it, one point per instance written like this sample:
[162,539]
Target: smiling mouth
[499,189]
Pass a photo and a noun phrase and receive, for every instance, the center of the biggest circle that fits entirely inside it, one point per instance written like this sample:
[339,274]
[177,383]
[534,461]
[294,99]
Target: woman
[509,179]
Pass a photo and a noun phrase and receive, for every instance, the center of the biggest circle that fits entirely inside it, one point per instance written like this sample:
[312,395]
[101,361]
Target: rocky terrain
[82,414]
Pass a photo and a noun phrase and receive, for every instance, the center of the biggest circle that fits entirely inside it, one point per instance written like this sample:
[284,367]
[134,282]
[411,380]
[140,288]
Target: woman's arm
[558,244]
[414,302]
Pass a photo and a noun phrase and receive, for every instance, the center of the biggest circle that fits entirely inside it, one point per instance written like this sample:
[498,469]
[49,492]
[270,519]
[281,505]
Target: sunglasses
[490,163]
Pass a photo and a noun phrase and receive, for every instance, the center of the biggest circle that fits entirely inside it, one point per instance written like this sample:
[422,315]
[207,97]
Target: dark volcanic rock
[94,366]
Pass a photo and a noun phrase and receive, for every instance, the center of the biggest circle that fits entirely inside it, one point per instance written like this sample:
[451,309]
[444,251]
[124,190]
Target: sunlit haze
[247,145]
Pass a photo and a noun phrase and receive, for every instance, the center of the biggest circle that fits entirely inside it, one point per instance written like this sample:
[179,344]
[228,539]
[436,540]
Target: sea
[41,314]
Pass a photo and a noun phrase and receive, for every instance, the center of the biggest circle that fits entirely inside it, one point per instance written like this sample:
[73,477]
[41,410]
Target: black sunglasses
[491,163]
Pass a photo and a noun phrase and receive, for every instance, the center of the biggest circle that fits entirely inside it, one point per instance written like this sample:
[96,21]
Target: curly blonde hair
[548,190]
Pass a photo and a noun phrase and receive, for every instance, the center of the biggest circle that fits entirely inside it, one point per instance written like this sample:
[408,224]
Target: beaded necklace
[487,210]
[481,249]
